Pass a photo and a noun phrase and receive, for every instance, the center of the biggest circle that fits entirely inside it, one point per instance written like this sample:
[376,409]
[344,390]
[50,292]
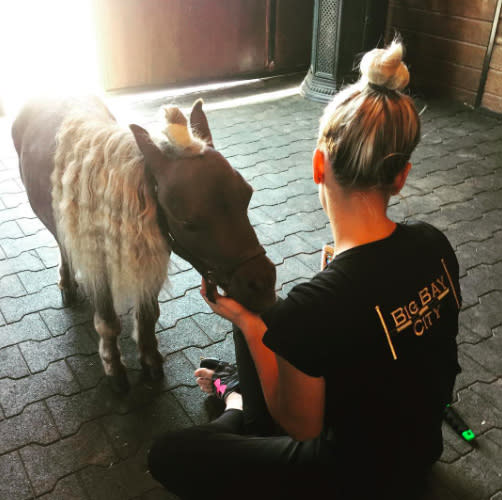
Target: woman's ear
[400,179]
[318,162]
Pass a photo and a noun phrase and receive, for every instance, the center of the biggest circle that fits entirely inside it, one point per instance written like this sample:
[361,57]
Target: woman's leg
[178,460]
[257,419]
[216,461]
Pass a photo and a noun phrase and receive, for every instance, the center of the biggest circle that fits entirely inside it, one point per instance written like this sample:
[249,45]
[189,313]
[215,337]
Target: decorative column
[343,30]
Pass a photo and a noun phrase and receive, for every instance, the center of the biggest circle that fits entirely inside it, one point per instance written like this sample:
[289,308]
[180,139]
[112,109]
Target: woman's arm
[295,400]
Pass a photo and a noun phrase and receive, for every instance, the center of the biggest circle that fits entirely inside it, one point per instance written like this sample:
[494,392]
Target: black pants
[243,453]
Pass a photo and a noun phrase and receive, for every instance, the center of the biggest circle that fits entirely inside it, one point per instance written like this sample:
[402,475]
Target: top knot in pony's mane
[178,132]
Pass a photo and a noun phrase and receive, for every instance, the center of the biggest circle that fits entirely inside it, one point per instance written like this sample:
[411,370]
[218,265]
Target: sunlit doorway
[46,47]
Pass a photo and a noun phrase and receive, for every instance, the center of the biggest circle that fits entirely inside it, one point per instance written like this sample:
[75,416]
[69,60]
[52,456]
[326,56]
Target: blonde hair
[370,128]
[106,216]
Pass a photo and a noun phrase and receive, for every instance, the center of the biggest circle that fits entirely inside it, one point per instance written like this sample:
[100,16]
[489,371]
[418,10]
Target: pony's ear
[198,122]
[153,156]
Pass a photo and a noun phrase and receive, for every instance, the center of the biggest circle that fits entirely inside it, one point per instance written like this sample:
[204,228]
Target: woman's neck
[357,218]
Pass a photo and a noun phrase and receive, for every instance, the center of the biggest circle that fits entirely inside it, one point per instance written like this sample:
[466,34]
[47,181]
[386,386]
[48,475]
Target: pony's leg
[107,324]
[146,316]
[67,283]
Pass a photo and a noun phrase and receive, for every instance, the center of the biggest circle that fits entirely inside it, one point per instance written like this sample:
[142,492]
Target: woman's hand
[228,308]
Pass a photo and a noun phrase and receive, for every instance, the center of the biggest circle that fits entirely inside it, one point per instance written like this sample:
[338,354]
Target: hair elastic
[382,89]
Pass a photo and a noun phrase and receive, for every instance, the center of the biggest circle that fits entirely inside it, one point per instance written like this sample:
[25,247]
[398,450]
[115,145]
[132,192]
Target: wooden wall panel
[446,43]
[492,96]
[158,42]
[423,45]
[494,83]
[434,23]
[496,62]
[446,73]
[492,102]
[471,9]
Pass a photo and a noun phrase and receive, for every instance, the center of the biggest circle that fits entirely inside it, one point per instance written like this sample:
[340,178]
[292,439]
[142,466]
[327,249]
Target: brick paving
[65,435]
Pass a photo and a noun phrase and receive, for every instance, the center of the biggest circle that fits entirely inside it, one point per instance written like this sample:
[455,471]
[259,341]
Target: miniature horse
[118,203]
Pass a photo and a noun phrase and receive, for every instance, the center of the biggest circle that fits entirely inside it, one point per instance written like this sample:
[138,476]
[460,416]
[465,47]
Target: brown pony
[119,202]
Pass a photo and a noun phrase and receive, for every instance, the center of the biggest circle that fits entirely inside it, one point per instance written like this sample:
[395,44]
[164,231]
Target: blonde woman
[340,389]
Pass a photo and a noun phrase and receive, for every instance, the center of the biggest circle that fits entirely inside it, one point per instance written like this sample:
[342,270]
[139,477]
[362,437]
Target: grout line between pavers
[70,369]
[452,185]
[286,217]
[178,402]
[460,456]
[470,306]
[58,480]
[261,162]
[25,470]
[298,178]
[282,146]
[485,294]
[24,360]
[245,122]
[457,397]
[285,201]
[264,137]
[18,219]
[32,312]
[313,252]
[25,203]
[38,231]
[481,263]
[482,339]
[38,401]
[51,416]
[36,255]
[476,362]
[472,198]
[90,420]
[33,250]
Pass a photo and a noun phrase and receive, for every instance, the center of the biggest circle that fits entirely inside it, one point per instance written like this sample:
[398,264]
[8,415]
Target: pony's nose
[253,285]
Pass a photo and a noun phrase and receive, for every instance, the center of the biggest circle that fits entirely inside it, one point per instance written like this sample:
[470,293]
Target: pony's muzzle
[253,284]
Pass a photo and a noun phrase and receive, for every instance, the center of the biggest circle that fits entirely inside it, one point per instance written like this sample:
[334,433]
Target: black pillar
[343,30]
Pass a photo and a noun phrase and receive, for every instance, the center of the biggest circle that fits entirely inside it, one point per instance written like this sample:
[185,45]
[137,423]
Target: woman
[356,366]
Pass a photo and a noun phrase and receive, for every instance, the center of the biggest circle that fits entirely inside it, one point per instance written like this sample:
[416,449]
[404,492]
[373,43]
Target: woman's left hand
[227,308]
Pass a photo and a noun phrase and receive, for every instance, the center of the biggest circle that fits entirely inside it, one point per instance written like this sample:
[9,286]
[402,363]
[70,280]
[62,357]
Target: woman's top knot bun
[385,68]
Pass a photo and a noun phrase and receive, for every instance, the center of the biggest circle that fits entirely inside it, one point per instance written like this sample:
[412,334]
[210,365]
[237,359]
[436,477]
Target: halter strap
[213,275]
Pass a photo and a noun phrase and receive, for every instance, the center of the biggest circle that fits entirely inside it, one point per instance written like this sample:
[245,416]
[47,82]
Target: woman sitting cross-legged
[339,389]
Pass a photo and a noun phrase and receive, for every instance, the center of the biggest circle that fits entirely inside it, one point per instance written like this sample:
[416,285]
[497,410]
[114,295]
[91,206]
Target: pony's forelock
[179,133]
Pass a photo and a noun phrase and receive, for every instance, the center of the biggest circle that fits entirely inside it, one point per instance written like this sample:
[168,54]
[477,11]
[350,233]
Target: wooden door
[145,43]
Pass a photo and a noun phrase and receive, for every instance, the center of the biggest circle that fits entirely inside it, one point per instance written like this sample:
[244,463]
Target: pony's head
[202,208]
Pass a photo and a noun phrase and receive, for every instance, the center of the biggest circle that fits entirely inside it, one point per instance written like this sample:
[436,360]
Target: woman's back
[379,324]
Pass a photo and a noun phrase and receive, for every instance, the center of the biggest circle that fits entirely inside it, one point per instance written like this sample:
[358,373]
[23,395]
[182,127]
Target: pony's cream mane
[105,214]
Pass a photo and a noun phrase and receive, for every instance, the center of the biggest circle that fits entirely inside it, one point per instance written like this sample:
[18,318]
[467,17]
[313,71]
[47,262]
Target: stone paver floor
[65,435]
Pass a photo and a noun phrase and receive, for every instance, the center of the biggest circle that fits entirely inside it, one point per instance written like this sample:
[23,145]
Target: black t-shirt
[379,324]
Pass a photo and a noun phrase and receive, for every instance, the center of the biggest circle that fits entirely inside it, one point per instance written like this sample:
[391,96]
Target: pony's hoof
[119,383]
[68,296]
[155,372]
